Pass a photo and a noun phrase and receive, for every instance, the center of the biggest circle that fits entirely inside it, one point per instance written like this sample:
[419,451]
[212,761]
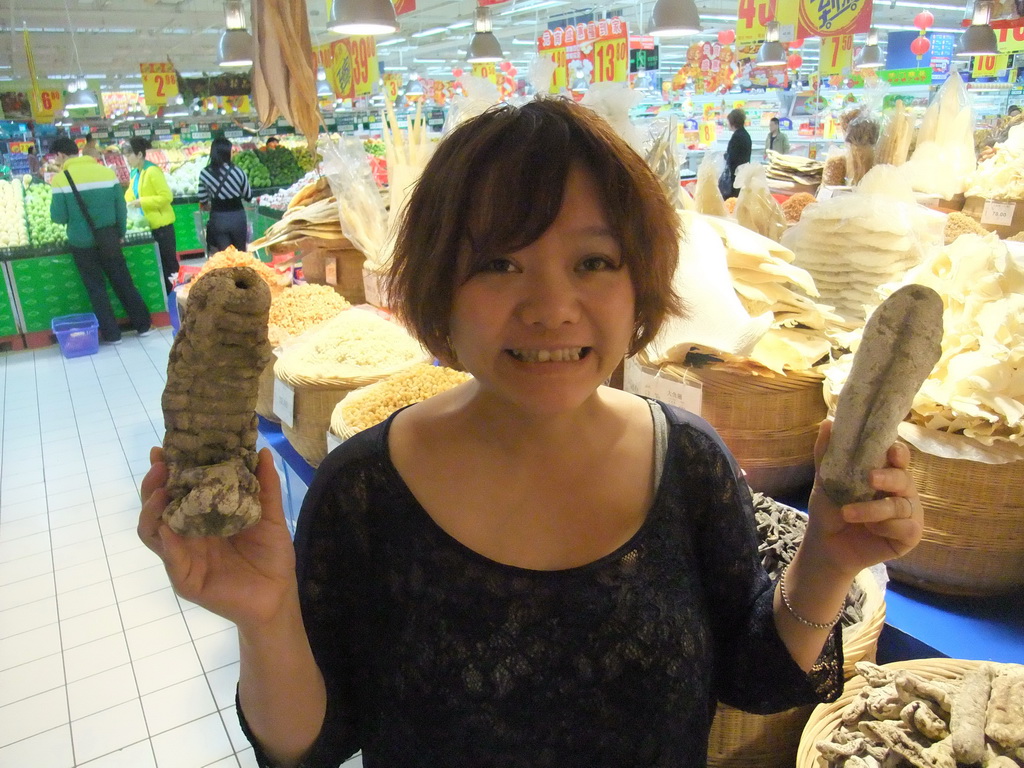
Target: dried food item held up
[209,405]
[901,344]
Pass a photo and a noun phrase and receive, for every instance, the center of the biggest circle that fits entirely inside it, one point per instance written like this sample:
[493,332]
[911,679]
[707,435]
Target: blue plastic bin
[78,335]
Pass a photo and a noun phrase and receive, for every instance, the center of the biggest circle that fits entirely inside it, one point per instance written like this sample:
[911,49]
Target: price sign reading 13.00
[611,61]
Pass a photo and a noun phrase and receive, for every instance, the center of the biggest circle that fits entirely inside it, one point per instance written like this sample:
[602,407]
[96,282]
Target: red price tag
[159,83]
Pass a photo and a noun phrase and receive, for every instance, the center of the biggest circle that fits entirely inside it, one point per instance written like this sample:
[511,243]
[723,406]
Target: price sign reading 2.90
[611,61]
[159,83]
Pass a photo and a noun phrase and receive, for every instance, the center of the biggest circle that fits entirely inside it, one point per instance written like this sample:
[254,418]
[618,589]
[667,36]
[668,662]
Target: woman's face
[135,160]
[543,327]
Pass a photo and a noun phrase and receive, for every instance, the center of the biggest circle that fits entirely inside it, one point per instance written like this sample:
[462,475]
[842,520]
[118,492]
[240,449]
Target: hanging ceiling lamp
[362,17]
[979,39]
[82,99]
[771,53]
[870,56]
[235,47]
[484,47]
[674,18]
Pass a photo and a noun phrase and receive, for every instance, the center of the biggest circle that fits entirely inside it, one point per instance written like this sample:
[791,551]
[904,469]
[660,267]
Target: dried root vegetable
[1004,723]
[793,208]
[967,720]
[209,405]
[834,173]
[900,346]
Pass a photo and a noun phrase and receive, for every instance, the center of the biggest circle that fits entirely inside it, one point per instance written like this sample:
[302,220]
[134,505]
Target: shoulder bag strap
[81,203]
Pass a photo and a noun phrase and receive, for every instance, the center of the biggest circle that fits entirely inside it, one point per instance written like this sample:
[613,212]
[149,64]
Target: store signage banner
[1011,39]
[800,19]
[351,65]
[596,50]
[159,83]
[643,53]
[941,56]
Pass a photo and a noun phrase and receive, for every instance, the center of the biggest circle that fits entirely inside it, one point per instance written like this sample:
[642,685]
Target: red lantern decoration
[920,46]
[727,36]
[457,72]
[798,43]
[512,71]
[506,66]
[923,20]
[794,61]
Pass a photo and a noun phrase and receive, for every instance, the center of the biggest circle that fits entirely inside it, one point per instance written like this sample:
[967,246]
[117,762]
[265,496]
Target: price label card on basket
[998,214]
[284,402]
[687,395]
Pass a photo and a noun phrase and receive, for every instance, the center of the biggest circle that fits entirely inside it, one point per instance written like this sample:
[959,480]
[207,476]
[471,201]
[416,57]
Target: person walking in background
[776,140]
[148,190]
[34,168]
[736,154]
[88,199]
[222,188]
[92,147]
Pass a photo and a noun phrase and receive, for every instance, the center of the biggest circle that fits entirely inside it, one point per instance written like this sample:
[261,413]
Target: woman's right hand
[248,578]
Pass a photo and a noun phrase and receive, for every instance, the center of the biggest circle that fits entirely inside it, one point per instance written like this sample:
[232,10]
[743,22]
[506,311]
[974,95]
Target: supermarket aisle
[101,665]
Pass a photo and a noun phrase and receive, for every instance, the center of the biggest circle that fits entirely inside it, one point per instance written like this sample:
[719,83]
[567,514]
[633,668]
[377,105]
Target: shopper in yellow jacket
[148,190]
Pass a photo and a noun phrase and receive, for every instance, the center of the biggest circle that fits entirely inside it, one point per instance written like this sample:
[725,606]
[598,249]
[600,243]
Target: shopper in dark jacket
[738,151]
[96,219]
[223,186]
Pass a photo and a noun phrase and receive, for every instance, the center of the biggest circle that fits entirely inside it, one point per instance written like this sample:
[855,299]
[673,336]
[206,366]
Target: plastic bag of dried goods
[661,157]
[363,218]
[893,145]
[862,128]
[944,157]
[834,172]
[613,102]
[708,199]
[756,209]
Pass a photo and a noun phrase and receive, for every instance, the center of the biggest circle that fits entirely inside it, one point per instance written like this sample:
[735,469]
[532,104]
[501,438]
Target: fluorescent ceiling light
[527,7]
[912,28]
[392,41]
[460,25]
[429,32]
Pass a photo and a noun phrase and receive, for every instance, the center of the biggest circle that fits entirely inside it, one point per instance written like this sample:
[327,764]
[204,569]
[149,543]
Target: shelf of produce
[47,285]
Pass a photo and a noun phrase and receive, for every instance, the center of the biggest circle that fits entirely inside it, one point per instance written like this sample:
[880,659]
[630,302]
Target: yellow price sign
[752,17]
[487,70]
[46,104]
[339,71]
[708,133]
[709,111]
[611,61]
[989,66]
[836,55]
[159,83]
[560,77]
[392,85]
[365,71]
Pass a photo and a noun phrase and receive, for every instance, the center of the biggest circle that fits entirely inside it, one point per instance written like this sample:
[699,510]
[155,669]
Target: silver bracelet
[797,616]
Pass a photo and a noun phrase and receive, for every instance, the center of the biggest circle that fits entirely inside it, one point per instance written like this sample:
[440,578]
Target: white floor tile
[21,478]
[30,545]
[122,541]
[26,568]
[22,509]
[94,625]
[202,623]
[31,679]
[77,554]
[92,658]
[122,502]
[102,691]
[26,591]
[34,492]
[33,715]
[227,762]
[140,582]
[126,520]
[78,483]
[138,755]
[78,513]
[199,743]
[157,636]
[63,466]
[150,607]
[229,717]
[72,498]
[76,533]
[50,749]
[14,621]
[29,646]
[106,469]
[247,759]
[91,598]
[130,561]
[218,650]
[178,704]
[19,529]
[108,731]
[15,465]
[224,682]
[167,668]
[84,575]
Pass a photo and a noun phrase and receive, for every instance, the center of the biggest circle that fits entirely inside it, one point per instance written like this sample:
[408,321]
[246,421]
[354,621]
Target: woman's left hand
[135,203]
[859,535]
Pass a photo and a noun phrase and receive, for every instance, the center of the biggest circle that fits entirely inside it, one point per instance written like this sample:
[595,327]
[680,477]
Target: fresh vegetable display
[375,147]
[12,215]
[41,230]
[258,174]
[282,167]
[184,180]
[306,160]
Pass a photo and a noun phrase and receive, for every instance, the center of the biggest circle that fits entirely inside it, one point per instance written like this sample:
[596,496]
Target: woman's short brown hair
[737,118]
[495,184]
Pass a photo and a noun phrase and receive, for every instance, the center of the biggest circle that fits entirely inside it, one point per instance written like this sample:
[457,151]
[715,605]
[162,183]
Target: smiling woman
[530,569]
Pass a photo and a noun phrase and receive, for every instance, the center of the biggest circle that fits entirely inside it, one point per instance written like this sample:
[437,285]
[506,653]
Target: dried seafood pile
[902,718]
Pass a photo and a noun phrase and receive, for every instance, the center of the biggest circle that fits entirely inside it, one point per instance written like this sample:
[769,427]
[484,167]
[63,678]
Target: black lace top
[436,656]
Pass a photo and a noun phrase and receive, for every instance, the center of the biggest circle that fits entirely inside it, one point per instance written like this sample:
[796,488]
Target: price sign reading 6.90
[611,61]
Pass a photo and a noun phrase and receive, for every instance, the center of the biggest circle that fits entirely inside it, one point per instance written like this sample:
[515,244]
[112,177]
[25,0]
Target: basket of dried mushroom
[743,740]
[928,713]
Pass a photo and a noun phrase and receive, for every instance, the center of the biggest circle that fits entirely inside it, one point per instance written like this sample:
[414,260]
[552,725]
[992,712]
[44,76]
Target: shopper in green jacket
[148,190]
[96,220]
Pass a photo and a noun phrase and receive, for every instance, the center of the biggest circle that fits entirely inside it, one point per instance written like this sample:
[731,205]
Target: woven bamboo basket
[973,540]
[769,423]
[335,263]
[826,717]
[265,394]
[743,740]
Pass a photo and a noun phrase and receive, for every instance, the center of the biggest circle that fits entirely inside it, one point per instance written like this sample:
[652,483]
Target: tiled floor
[101,665]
